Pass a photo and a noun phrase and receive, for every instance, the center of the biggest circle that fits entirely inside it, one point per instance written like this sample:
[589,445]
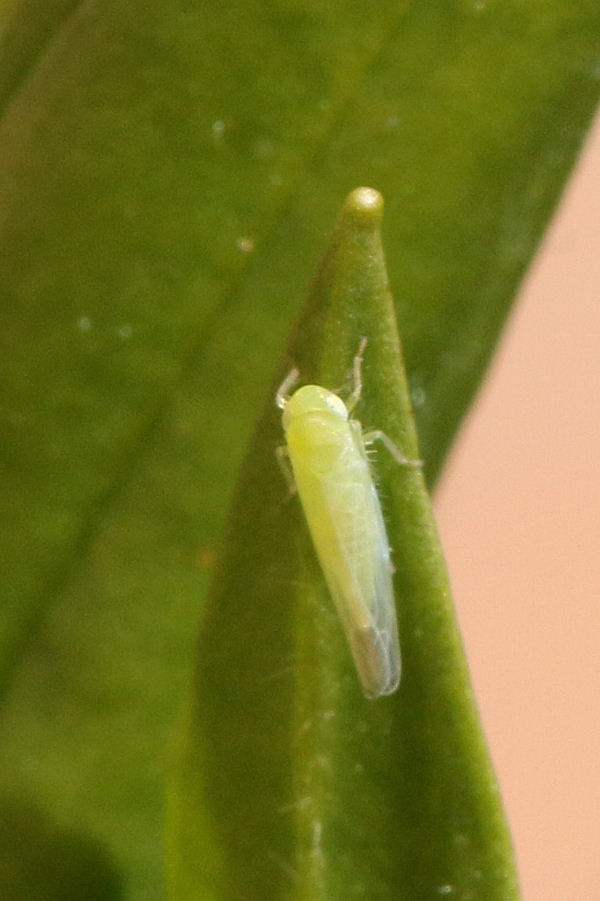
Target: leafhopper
[325,461]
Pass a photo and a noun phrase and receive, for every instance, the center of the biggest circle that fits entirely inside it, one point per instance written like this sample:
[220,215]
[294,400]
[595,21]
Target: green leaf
[168,173]
[289,777]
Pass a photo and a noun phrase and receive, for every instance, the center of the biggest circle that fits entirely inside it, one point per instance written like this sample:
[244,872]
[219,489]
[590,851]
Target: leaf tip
[364,206]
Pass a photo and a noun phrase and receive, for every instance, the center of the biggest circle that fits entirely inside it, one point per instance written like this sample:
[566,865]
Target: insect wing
[359,577]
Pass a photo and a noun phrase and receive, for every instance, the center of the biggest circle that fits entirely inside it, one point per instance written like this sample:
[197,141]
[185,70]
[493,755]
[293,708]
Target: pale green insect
[330,471]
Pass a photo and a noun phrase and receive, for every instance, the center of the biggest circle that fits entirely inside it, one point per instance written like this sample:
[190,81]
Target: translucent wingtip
[377,661]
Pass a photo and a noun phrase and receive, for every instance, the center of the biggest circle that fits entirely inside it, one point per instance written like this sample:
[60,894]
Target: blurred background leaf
[168,175]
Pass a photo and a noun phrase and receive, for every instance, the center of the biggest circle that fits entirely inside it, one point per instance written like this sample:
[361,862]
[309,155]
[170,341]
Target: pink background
[519,514]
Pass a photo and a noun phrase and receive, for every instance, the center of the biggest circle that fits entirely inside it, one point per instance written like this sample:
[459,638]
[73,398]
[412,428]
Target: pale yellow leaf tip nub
[364,206]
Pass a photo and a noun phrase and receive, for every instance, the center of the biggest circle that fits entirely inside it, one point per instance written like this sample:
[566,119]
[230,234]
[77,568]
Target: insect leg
[283,392]
[283,461]
[378,435]
[357,376]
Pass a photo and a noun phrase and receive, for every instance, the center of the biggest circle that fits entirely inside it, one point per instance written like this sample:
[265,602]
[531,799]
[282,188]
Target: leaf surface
[168,175]
[289,777]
